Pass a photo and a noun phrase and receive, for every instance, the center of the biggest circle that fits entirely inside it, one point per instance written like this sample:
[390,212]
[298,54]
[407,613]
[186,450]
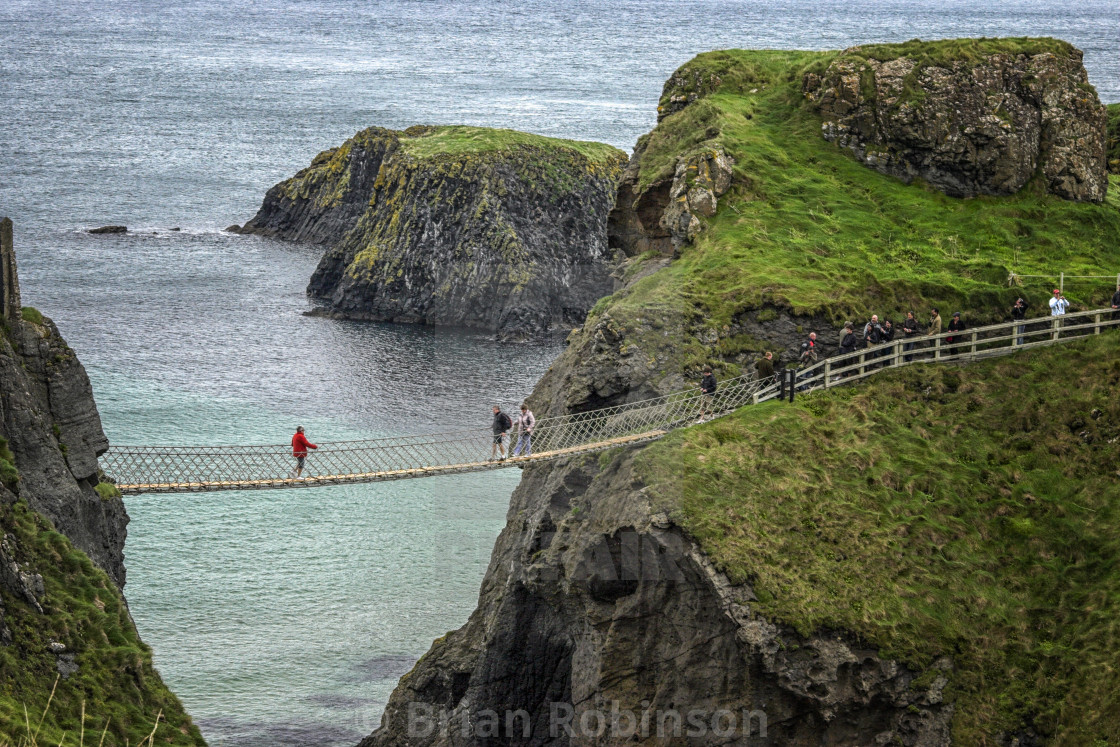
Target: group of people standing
[875,332]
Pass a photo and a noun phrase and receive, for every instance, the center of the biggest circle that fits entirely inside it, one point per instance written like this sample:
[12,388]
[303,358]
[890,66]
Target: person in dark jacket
[955,325]
[501,426]
[1018,314]
[848,340]
[765,366]
[708,392]
[910,332]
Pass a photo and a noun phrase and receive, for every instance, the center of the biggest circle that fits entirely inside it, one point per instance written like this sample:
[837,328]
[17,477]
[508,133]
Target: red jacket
[300,445]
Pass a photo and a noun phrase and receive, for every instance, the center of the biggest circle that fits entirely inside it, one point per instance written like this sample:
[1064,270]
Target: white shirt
[1058,306]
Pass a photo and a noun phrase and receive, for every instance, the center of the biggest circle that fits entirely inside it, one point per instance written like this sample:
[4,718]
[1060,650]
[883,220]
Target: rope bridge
[181,469]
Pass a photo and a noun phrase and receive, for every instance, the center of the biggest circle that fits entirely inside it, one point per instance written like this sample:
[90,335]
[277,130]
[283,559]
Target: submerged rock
[968,127]
[459,226]
[108,229]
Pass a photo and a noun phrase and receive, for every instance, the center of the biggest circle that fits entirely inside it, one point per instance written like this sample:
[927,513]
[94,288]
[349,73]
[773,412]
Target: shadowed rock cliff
[455,226]
[62,536]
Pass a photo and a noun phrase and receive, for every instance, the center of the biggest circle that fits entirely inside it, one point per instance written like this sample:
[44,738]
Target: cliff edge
[66,637]
[457,226]
[878,565]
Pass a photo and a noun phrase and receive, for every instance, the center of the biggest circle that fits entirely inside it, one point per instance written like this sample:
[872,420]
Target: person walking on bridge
[300,445]
[526,422]
[708,393]
[501,426]
[1116,303]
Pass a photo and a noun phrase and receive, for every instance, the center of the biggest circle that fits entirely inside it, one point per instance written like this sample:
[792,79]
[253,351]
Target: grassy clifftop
[106,667]
[935,511]
[805,227]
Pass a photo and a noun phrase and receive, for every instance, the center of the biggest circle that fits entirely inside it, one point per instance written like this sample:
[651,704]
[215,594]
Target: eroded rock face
[510,240]
[54,430]
[594,604]
[969,128]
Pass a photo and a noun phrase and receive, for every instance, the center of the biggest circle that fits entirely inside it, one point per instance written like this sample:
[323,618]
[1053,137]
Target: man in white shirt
[1058,304]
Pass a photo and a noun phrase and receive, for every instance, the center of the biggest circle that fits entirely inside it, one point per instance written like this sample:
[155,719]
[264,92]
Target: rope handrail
[139,469]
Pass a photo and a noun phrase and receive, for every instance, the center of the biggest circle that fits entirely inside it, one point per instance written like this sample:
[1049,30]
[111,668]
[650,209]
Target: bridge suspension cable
[180,469]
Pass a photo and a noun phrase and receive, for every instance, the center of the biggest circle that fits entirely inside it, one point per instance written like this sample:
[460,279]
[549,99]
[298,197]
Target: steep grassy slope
[808,229]
[108,668]
[962,512]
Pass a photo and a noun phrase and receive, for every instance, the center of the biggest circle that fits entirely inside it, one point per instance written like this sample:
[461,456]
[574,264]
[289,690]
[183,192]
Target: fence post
[862,356]
[974,343]
[827,371]
[1054,327]
[897,360]
[937,348]
[792,383]
[1097,323]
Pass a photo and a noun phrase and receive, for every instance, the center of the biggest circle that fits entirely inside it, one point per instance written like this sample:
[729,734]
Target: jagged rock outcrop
[1113,111]
[595,603]
[50,421]
[454,226]
[968,127]
[668,213]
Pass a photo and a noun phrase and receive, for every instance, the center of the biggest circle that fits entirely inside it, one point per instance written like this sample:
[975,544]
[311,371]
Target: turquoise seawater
[285,617]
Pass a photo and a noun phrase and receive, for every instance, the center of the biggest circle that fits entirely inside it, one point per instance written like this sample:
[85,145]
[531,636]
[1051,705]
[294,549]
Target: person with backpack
[501,426]
[848,340]
[526,422]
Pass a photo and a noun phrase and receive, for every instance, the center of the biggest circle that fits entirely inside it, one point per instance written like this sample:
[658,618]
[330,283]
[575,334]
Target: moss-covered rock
[969,117]
[463,226]
[1113,138]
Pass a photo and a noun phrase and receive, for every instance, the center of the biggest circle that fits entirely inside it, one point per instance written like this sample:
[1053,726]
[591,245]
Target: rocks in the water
[460,226]
[229,229]
[968,125]
[108,229]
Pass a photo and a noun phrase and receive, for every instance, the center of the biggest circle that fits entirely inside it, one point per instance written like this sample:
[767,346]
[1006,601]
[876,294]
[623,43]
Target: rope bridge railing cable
[138,469]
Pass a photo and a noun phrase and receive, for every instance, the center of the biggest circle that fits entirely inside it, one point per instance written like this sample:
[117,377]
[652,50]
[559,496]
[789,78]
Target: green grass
[84,611]
[427,142]
[31,314]
[970,51]
[1114,138]
[107,491]
[934,511]
[9,474]
[807,228]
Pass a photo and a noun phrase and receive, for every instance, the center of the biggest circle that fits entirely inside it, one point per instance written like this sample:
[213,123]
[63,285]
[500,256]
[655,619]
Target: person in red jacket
[300,445]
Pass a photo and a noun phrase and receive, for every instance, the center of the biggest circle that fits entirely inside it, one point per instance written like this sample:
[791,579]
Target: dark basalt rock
[612,608]
[108,229]
[511,240]
[969,128]
[50,421]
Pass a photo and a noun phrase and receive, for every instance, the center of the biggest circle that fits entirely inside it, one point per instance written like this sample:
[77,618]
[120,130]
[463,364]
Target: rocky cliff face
[455,226]
[968,126]
[596,609]
[50,421]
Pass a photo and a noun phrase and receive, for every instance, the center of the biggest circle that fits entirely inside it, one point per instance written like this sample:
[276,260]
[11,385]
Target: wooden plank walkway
[400,474]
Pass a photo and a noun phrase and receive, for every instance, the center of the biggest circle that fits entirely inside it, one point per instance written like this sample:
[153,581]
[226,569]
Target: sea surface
[286,617]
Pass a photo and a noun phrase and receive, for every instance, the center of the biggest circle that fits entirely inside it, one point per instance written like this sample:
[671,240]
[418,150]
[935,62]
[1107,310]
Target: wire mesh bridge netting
[179,469]
[175,469]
